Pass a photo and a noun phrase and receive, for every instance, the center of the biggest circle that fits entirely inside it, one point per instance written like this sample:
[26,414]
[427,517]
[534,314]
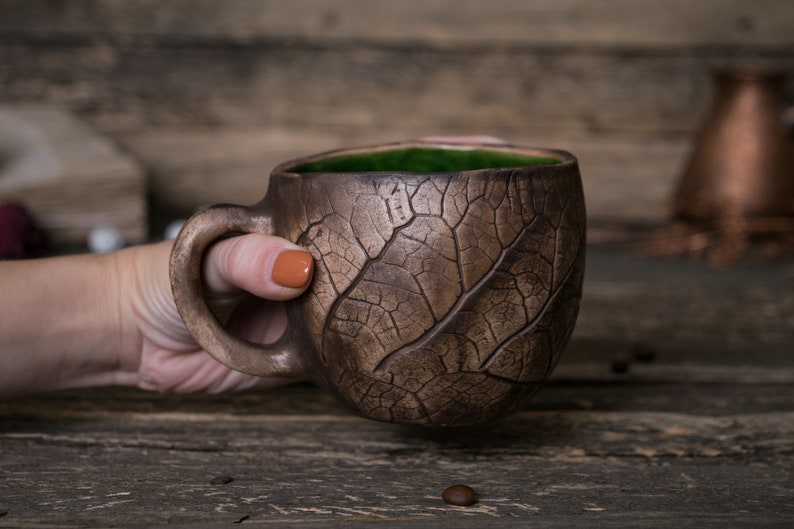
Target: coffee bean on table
[643,353]
[221,480]
[460,495]
[620,365]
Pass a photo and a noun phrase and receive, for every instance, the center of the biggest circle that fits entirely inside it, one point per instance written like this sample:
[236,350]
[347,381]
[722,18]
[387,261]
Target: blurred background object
[739,181]
[20,236]
[104,239]
[69,177]
[209,95]
[742,165]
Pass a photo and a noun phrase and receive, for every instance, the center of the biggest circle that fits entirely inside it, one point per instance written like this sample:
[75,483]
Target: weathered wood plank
[684,396]
[684,305]
[625,178]
[417,90]
[210,120]
[643,23]
[653,447]
[288,468]
[600,393]
[212,94]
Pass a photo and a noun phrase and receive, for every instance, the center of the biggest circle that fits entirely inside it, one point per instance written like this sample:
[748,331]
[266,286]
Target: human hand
[247,279]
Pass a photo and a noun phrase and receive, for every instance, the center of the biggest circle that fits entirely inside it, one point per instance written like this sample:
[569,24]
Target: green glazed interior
[421,160]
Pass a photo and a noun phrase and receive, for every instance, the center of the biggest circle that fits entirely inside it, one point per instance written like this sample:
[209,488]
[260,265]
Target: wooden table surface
[697,432]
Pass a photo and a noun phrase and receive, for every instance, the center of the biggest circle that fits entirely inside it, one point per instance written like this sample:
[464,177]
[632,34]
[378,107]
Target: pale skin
[110,319]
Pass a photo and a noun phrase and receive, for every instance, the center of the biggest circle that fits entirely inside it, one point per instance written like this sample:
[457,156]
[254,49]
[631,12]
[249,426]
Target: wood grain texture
[643,23]
[417,89]
[701,436]
[210,122]
[625,177]
[211,95]
[606,466]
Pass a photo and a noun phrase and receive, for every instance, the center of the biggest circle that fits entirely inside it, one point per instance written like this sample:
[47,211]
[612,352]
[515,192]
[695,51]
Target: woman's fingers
[268,267]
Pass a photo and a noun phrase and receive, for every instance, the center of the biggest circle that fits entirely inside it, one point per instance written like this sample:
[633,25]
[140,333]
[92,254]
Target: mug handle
[279,359]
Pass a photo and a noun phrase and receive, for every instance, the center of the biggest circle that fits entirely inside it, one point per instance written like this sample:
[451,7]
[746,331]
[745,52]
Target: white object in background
[173,229]
[103,239]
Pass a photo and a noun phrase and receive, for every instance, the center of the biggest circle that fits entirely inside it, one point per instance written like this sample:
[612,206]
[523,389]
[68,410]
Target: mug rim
[565,158]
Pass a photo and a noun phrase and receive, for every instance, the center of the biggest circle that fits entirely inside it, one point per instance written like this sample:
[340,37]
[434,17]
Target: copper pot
[741,171]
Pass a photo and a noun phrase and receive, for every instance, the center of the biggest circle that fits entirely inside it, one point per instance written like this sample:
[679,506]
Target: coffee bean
[221,480]
[461,495]
[643,353]
[620,365]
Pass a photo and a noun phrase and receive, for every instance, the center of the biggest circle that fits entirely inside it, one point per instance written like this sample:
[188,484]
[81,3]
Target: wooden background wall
[210,94]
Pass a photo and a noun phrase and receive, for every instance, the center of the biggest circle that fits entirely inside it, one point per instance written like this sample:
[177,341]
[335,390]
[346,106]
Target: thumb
[268,267]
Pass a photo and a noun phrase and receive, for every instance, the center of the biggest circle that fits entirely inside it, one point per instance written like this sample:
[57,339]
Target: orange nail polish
[293,268]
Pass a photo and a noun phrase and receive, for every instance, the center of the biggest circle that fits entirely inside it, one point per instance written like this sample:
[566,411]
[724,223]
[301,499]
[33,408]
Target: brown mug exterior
[440,299]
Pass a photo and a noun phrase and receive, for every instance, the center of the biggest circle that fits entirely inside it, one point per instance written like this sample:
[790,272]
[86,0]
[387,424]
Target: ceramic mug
[446,284]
